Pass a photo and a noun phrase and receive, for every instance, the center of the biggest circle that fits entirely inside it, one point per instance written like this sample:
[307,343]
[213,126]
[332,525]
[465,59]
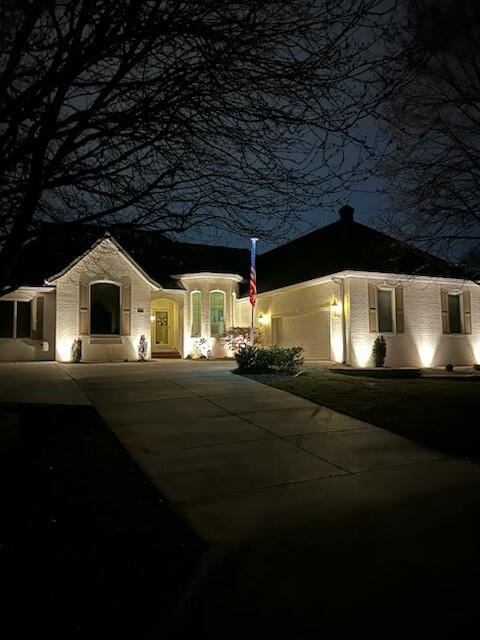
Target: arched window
[196,314]
[104,309]
[217,313]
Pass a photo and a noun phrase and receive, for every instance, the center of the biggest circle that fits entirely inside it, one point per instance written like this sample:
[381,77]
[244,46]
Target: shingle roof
[58,245]
[340,246]
[345,245]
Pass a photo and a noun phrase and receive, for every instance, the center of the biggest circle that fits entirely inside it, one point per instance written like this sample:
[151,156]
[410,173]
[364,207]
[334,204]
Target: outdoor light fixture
[336,307]
[152,318]
[263,319]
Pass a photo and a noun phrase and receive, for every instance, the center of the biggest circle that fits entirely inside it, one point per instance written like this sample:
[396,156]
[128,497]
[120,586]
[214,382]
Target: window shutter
[83,309]
[372,308]
[37,334]
[444,301]
[399,310]
[126,311]
[467,312]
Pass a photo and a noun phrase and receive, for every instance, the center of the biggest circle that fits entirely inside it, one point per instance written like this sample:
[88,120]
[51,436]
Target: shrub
[77,350]
[379,351]
[238,337]
[271,360]
[200,349]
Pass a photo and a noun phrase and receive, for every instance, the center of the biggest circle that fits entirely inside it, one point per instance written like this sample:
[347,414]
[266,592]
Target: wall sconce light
[152,318]
[336,307]
[262,319]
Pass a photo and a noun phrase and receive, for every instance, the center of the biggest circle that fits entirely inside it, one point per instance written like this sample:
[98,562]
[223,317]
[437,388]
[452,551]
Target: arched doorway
[165,326]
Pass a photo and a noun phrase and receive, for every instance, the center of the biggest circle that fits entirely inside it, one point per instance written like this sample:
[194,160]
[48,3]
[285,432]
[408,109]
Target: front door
[162,329]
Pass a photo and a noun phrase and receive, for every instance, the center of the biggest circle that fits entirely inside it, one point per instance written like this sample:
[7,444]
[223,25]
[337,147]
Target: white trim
[403,277]
[27,291]
[126,256]
[362,274]
[208,274]
[174,291]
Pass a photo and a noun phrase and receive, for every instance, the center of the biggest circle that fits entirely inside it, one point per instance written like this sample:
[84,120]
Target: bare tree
[432,164]
[173,113]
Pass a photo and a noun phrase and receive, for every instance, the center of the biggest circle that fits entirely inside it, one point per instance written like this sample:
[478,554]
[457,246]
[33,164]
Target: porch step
[159,355]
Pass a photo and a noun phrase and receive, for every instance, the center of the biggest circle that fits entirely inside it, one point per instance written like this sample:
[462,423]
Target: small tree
[77,350]
[379,351]
[142,348]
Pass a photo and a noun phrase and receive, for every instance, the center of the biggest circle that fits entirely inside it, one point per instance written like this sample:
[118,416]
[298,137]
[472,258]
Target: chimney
[346,213]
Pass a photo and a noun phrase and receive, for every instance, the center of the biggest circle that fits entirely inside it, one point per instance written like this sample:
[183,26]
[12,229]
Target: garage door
[310,331]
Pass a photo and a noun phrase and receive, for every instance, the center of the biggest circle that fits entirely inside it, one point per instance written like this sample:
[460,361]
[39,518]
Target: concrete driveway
[316,520]
[206,437]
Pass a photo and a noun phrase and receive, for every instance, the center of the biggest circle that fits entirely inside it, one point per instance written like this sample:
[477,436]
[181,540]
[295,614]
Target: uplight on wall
[363,352]
[426,352]
[64,349]
[476,352]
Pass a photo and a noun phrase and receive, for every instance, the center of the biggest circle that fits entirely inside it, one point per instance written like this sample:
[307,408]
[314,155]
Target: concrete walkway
[319,514]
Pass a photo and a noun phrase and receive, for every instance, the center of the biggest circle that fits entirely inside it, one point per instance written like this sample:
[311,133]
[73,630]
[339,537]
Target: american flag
[253,273]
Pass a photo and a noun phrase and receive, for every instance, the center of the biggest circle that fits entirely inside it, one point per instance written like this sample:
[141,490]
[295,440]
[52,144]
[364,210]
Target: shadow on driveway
[88,547]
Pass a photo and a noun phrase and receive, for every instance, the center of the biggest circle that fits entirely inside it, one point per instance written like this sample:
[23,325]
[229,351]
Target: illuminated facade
[108,300]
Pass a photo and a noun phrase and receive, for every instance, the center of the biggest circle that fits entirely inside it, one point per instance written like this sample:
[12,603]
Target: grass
[89,548]
[439,413]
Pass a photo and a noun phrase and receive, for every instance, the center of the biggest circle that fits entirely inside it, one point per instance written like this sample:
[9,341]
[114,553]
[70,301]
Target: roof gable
[106,240]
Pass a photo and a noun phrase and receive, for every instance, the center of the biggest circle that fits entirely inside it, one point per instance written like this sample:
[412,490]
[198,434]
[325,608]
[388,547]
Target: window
[15,319]
[196,314]
[454,314]
[385,315]
[217,313]
[104,309]
[24,319]
[6,318]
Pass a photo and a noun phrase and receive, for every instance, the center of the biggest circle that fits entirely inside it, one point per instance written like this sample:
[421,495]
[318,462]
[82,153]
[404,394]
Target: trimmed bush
[270,360]
[379,351]
[238,337]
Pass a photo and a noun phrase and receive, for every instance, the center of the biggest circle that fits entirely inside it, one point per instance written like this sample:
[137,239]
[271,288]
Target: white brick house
[331,292]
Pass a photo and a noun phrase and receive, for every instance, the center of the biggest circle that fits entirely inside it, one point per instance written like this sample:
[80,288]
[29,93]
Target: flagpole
[253,286]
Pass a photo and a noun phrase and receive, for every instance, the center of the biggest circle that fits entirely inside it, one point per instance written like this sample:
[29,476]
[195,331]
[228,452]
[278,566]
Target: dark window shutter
[467,312]
[372,308]
[126,310]
[37,331]
[83,309]
[399,310]
[444,302]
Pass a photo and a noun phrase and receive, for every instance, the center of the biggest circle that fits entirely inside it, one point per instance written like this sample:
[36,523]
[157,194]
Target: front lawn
[440,413]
